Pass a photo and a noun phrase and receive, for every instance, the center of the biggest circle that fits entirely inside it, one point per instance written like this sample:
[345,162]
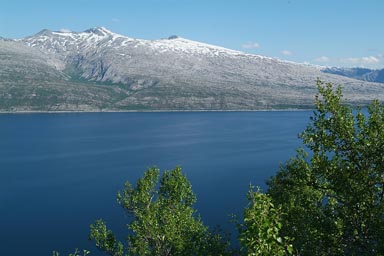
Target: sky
[344,33]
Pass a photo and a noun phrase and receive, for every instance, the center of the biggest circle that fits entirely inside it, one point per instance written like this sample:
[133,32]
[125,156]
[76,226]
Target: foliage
[333,196]
[76,253]
[163,220]
[260,232]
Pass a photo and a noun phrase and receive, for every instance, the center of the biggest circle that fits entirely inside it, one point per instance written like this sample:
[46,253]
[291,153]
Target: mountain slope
[100,70]
[32,80]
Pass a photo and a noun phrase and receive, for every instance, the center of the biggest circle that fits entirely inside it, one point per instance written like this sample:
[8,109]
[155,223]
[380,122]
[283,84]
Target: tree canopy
[259,233]
[163,220]
[332,192]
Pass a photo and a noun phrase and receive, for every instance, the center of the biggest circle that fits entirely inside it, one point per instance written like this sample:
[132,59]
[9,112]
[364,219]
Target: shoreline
[151,111]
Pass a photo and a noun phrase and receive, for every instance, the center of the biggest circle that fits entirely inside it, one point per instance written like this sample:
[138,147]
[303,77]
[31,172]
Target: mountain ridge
[106,71]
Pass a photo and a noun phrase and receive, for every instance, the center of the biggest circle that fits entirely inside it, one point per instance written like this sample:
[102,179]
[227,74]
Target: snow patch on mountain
[63,42]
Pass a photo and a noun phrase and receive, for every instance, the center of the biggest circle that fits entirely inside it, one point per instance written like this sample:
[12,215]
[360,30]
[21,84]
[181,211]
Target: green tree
[333,196]
[259,234]
[163,220]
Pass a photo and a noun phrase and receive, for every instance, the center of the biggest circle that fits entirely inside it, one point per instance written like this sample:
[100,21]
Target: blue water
[61,172]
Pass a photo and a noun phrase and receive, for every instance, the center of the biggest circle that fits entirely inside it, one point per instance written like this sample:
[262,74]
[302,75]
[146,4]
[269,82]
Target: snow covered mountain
[108,71]
[66,43]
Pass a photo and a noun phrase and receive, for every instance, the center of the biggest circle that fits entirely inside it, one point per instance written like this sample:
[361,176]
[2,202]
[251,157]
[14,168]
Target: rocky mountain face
[364,74]
[98,70]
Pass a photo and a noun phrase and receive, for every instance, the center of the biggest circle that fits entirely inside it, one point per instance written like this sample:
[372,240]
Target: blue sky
[325,32]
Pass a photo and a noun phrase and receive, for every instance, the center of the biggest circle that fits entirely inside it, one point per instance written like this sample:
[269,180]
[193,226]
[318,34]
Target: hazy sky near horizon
[324,32]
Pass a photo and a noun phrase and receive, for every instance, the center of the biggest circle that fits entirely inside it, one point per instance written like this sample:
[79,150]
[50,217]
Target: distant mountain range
[98,70]
[365,74]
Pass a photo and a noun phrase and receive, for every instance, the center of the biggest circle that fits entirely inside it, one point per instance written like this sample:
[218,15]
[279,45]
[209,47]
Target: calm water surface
[60,172]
